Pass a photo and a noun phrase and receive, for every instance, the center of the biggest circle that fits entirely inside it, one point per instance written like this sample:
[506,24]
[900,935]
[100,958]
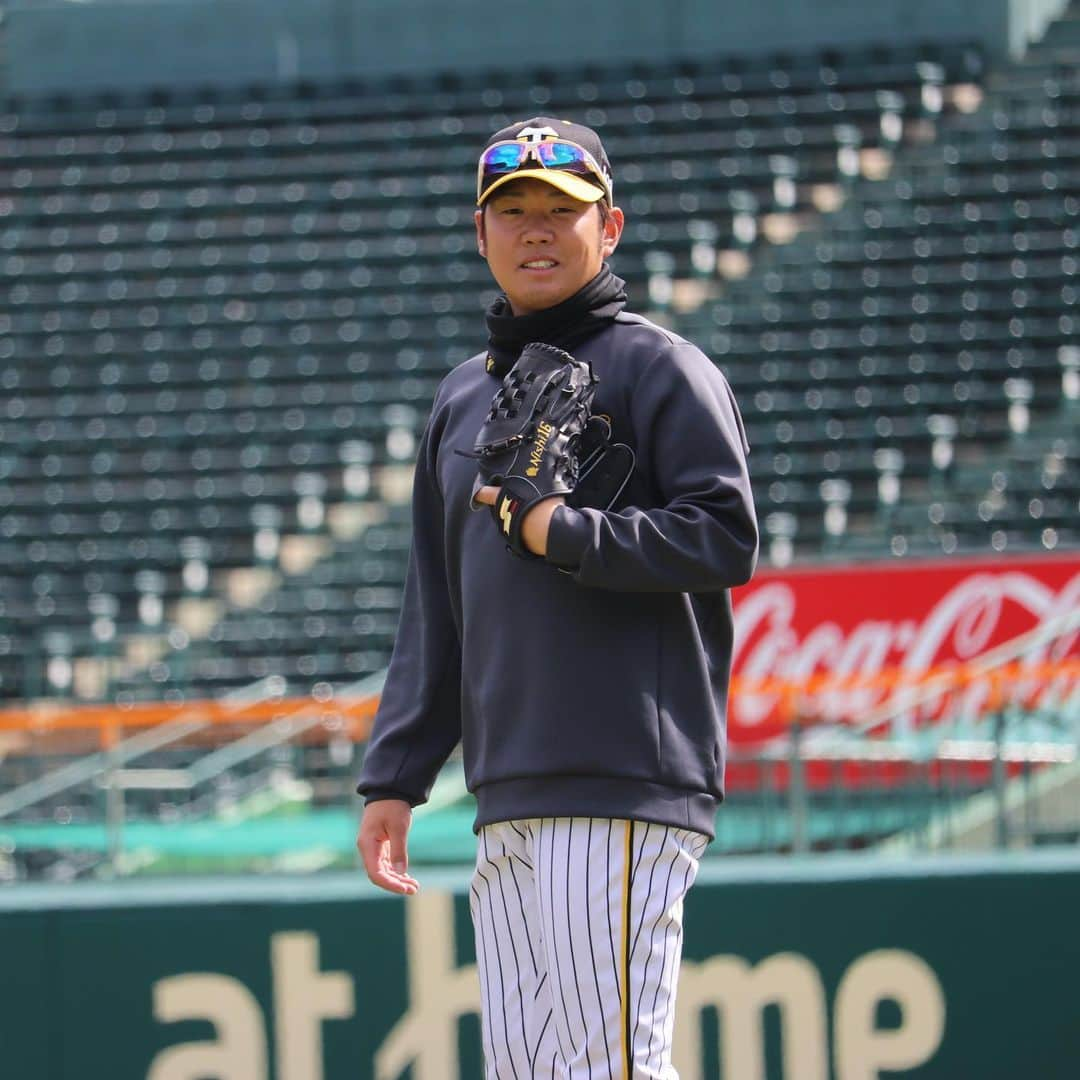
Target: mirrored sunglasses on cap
[502,158]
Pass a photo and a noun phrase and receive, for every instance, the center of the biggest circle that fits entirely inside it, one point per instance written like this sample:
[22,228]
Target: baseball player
[574,634]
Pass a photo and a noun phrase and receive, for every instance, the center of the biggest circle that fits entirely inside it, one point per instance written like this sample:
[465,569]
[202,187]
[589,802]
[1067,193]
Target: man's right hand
[383,845]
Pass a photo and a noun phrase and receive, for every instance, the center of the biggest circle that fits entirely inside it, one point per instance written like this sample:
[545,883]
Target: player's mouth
[538,266]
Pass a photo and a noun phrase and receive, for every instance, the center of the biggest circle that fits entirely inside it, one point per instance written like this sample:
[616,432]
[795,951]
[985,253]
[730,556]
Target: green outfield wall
[55,45]
[849,968]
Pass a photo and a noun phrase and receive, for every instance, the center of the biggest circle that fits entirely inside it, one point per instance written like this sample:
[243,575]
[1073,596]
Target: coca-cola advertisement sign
[854,623]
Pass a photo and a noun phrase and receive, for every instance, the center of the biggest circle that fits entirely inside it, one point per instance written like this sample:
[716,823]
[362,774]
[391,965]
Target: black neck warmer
[565,325]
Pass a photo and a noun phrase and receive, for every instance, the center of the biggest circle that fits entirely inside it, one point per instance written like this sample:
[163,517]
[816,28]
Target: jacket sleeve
[702,534]
[418,721]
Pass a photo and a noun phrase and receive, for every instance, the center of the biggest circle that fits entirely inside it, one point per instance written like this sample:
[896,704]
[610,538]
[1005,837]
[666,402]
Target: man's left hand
[535,524]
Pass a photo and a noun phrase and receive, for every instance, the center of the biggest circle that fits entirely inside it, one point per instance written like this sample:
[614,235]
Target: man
[587,687]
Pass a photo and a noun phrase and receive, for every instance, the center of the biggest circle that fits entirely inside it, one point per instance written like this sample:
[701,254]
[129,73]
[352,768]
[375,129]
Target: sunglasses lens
[504,158]
[501,159]
[562,156]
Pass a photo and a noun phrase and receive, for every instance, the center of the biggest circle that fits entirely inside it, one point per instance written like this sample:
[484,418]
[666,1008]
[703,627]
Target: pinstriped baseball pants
[578,941]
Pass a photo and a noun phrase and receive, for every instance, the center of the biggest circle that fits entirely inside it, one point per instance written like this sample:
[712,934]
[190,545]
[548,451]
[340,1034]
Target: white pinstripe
[547,902]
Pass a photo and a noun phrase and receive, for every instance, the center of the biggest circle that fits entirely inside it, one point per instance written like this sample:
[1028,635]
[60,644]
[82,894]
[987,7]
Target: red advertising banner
[906,616]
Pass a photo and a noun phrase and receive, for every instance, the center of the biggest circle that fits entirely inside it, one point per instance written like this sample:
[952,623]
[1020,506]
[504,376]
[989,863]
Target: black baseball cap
[584,179]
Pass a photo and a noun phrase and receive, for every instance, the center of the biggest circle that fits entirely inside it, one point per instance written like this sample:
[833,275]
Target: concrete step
[1065,33]
[1065,56]
[1029,76]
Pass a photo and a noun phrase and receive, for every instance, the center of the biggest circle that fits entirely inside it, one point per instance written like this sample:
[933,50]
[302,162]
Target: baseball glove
[540,439]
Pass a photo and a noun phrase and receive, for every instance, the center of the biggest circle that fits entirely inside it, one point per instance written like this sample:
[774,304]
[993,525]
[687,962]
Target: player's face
[542,245]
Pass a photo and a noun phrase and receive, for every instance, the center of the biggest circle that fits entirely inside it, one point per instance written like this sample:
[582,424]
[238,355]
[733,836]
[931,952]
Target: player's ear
[481,241]
[611,231]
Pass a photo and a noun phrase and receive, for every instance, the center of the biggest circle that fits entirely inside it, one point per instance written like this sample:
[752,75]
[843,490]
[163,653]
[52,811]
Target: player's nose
[536,230]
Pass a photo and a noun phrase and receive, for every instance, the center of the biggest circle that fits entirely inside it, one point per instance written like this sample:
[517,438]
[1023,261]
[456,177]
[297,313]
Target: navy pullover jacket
[593,683]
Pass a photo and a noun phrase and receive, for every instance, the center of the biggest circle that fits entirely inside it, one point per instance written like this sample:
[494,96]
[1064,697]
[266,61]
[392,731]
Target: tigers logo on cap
[531,134]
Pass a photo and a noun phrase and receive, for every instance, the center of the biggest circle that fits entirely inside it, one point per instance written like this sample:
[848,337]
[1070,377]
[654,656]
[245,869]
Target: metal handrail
[997,657]
[307,715]
[280,731]
[85,769]
[303,718]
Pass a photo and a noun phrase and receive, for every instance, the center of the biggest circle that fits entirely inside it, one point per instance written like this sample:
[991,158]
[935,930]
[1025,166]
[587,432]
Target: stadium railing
[975,755]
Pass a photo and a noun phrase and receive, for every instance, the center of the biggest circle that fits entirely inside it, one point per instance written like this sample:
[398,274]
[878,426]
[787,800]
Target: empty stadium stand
[223,317]
[923,339]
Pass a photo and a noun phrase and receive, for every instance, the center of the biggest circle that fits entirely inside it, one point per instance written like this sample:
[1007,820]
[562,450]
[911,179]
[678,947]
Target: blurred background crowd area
[235,266]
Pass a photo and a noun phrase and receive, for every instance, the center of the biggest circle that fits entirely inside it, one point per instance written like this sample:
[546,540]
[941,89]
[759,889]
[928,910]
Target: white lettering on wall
[962,623]
[425,1038]
[239,1053]
[862,1049]
[439,993]
[739,992]
[303,998]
